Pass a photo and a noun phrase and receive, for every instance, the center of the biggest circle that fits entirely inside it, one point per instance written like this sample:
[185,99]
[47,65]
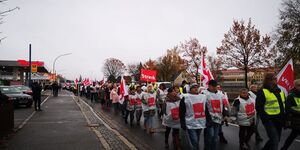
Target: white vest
[246,111]
[214,104]
[131,102]
[138,105]
[150,100]
[195,111]
[162,96]
[172,118]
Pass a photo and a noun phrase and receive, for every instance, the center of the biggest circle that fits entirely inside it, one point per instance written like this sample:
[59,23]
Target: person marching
[138,105]
[214,117]
[192,114]
[171,117]
[252,93]
[130,105]
[115,98]
[292,108]
[270,108]
[244,111]
[148,100]
[161,94]
[227,107]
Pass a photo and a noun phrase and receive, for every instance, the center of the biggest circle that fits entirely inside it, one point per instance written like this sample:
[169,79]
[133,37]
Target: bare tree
[243,47]
[191,51]
[113,67]
[3,14]
[135,70]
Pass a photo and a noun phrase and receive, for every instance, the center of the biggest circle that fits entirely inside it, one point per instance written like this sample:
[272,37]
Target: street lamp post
[56,59]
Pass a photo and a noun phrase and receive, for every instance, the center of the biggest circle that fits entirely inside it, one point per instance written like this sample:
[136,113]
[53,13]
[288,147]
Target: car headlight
[12,98]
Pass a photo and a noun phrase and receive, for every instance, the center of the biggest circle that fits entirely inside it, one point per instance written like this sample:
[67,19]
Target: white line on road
[122,138]
[29,117]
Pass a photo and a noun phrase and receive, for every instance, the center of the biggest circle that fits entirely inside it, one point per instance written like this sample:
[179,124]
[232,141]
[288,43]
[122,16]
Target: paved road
[138,136]
[60,125]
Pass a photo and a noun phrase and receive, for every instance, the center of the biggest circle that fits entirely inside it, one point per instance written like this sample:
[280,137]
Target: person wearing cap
[192,114]
[270,108]
[216,114]
[171,117]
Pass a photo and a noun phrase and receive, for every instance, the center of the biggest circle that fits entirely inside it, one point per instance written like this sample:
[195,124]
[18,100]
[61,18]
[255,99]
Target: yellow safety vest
[297,100]
[181,90]
[272,106]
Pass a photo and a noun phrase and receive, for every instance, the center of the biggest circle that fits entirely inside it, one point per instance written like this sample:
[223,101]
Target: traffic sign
[34,68]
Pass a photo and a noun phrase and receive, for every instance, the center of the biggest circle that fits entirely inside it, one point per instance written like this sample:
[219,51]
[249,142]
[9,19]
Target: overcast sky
[130,30]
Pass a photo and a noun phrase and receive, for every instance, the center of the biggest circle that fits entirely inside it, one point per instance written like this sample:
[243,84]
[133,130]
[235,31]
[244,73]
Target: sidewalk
[60,126]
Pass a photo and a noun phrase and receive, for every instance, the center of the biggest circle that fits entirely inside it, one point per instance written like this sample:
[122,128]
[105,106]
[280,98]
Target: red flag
[123,90]
[205,72]
[285,78]
[76,81]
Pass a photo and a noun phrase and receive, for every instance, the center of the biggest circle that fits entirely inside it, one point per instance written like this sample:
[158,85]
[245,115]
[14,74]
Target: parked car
[24,89]
[18,97]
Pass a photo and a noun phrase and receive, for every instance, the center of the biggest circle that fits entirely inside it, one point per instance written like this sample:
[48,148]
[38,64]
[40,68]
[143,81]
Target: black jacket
[292,115]
[260,106]
[36,91]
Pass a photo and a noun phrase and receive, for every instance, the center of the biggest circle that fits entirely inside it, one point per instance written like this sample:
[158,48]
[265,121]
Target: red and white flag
[205,72]
[123,91]
[285,78]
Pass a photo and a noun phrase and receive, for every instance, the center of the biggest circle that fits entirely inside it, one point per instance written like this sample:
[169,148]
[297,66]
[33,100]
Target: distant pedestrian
[138,106]
[161,94]
[130,105]
[270,108]
[216,113]
[292,107]
[244,111]
[171,118]
[36,94]
[252,93]
[192,111]
[102,96]
[148,100]
[115,98]
[55,88]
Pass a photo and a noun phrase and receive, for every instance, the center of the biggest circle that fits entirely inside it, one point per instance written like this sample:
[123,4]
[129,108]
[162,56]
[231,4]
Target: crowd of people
[193,109]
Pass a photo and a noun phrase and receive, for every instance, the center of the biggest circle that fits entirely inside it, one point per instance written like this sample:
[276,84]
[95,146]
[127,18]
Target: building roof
[23,64]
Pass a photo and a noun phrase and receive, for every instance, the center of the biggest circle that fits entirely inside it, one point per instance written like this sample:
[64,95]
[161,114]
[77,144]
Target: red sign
[151,102]
[175,113]
[148,75]
[26,63]
[198,110]
[250,111]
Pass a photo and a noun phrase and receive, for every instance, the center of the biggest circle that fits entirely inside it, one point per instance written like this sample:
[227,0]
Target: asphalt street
[138,136]
[61,125]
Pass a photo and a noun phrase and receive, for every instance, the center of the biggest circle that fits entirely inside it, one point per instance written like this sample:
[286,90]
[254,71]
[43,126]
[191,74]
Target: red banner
[148,75]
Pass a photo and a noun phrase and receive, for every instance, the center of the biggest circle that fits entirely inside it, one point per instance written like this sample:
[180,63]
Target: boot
[222,138]
[176,142]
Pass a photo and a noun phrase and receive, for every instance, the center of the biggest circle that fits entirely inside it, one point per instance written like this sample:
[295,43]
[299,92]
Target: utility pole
[29,76]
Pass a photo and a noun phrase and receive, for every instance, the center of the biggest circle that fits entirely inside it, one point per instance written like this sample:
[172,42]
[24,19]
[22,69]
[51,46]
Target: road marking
[121,137]
[29,117]
[98,134]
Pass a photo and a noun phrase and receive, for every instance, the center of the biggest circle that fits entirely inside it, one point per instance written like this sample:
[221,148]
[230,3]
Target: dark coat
[36,91]
[292,115]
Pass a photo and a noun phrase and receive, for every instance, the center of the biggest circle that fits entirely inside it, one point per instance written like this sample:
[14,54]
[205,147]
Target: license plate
[23,101]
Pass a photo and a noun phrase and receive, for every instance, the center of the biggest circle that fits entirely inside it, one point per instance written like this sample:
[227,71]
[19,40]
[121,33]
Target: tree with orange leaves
[245,48]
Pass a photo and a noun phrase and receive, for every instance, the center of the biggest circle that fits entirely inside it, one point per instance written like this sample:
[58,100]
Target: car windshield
[10,90]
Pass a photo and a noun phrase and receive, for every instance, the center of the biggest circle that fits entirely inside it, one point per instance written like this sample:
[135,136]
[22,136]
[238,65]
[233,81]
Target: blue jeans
[148,121]
[194,137]
[211,136]
[273,130]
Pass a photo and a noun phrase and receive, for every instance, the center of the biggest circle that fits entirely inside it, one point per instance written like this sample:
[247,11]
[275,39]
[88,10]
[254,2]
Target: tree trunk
[246,78]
